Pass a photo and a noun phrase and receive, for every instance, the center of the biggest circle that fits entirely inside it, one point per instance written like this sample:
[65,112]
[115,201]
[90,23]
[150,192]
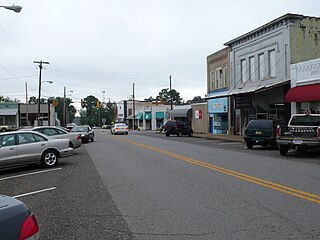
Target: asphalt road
[190,188]
[148,186]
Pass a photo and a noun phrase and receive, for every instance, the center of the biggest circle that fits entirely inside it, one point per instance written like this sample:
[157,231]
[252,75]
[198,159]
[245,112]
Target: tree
[93,115]
[165,96]
[7,99]
[197,99]
[150,99]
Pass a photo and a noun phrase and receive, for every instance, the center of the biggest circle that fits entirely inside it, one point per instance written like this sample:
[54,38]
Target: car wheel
[167,134]
[179,133]
[190,134]
[49,158]
[249,145]
[3,130]
[92,140]
[70,144]
[283,150]
[127,133]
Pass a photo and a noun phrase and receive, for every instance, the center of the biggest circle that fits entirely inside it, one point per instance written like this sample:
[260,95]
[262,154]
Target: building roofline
[279,19]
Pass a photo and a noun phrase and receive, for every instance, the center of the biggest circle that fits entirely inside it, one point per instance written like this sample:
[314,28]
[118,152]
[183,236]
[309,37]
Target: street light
[14,8]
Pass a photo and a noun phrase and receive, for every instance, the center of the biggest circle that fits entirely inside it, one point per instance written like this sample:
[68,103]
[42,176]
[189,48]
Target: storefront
[218,115]
[305,87]
[159,119]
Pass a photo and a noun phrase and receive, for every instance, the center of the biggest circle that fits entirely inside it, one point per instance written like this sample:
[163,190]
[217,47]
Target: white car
[119,128]
[58,133]
[27,147]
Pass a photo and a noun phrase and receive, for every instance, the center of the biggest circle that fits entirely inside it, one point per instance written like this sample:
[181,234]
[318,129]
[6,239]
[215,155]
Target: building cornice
[284,20]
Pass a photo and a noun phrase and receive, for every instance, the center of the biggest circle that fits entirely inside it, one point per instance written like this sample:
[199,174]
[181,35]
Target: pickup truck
[302,133]
[5,128]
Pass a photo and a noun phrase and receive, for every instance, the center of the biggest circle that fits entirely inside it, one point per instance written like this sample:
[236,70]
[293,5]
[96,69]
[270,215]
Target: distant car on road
[58,133]
[177,128]
[16,220]
[108,126]
[119,128]
[85,131]
[26,147]
[261,132]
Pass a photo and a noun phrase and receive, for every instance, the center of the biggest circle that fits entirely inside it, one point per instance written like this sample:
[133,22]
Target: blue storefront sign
[218,105]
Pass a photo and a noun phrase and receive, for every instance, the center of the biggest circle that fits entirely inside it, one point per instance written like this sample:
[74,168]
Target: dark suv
[261,132]
[178,128]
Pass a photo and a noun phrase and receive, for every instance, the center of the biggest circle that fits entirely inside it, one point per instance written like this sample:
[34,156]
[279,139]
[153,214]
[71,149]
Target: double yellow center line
[278,187]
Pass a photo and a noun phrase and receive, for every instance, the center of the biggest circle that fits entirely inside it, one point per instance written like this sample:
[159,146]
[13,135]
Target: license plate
[258,132]
[297,141]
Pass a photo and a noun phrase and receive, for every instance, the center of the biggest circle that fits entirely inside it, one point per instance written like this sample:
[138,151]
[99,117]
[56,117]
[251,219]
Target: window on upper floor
[272,63]
[225,76]
[212,80]
[243,67]
[251,68]
[260,66]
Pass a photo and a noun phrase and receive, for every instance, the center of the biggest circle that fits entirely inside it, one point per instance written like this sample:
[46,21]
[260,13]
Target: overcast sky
[107,45]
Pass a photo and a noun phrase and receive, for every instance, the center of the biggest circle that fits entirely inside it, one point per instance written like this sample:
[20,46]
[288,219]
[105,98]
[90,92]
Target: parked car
[119,128]
[85,131]
[58,133]
[108,126]
[16,220]
[26,147]
[261,132]
[177,128]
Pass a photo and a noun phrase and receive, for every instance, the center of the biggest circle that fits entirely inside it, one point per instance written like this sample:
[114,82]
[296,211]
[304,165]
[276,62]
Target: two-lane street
[148,186]
[173,189]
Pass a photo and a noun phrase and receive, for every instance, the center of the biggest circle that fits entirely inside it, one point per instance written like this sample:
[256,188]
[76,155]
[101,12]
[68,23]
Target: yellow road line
[275,186]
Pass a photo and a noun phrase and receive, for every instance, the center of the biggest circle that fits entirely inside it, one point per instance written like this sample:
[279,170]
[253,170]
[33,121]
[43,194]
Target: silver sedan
[58,133]
[27,147]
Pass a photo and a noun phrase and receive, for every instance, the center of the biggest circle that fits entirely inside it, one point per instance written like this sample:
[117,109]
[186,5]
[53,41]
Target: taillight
[79,137]
[29,228]
[278,131]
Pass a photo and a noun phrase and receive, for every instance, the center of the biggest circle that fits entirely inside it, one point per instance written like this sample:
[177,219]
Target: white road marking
[29,174]
[35,192]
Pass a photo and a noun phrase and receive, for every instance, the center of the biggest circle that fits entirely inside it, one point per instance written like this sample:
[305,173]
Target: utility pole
[170,93]
[134,108]
[39,95]
[27,105]
[64,111]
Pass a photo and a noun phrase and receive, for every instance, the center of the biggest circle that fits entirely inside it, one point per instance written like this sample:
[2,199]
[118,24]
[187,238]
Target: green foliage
[92,115]
[165,96]
[7,99]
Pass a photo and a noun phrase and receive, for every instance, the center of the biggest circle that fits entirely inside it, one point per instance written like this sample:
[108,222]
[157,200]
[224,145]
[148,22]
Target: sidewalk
[226,137]
[234,138]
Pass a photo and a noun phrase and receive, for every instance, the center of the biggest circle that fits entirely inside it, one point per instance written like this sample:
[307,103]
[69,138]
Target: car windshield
[260,124]
[79,129]
[305,120]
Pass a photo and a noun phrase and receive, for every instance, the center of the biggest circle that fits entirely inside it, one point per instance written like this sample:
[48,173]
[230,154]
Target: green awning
[139,116]
[159,115]
[147,116]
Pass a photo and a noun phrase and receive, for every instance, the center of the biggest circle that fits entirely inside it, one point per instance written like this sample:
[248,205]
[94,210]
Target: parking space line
[28,174]
[35,192]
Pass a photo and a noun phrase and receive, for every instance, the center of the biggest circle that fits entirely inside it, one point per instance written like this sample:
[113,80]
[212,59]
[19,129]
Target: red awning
[307,93]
